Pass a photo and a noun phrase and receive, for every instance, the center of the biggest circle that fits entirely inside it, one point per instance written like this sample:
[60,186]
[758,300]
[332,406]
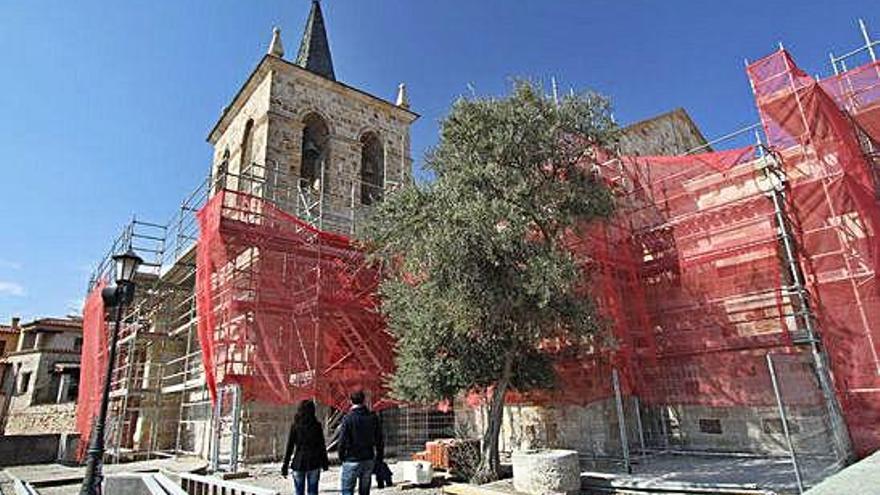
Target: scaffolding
[740,292]
[156,328]
[739,288]
[165,401]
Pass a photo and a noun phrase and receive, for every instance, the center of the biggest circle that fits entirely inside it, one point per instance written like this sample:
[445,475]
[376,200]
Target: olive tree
[478,273]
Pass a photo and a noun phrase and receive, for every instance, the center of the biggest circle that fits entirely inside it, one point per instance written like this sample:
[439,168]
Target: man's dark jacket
[308,442]
[360,437]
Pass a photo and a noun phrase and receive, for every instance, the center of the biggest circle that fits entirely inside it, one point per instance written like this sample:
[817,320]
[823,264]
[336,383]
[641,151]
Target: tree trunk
[490,462]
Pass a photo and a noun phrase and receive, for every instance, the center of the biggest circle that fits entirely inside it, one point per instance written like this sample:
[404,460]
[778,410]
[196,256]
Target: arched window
[315,151]
[246,146]
[372,169]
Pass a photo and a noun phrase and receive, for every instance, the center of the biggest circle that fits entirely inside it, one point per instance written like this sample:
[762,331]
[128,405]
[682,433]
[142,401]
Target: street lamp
[116,297]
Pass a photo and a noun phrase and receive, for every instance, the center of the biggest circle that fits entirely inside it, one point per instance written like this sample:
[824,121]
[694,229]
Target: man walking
[360,446]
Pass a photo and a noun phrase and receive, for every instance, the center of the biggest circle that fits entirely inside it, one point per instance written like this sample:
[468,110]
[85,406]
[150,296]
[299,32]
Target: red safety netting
[286,311]
[857,92]
[816,128]
[93,366]
[688,277]
[691,275]
[712,277]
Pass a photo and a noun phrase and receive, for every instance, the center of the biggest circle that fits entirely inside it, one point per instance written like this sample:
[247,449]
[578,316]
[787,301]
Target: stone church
[324,152]
[316,148]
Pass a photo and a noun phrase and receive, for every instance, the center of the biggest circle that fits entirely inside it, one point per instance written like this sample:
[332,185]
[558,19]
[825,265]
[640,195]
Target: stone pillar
[546,472]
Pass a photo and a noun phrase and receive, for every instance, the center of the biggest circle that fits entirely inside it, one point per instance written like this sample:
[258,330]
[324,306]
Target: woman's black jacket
[306,444]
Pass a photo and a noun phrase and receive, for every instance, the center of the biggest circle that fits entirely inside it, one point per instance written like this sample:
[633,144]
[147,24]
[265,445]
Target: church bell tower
[320,149]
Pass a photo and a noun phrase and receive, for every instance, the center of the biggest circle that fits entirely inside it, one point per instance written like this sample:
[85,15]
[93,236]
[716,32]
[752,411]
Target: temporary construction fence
[289,312]
[712,273]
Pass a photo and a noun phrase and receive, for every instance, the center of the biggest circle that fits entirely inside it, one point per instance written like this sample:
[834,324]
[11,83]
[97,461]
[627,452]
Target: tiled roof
[71,323]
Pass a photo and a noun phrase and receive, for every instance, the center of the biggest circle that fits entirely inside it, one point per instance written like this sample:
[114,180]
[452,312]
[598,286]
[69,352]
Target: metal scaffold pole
[775,174]
[784,420]
[868,43]
[638,407]
[236,428]
[215,431]
[621,420]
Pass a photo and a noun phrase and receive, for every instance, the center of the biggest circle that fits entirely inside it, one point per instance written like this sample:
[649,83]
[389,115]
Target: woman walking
[306,445]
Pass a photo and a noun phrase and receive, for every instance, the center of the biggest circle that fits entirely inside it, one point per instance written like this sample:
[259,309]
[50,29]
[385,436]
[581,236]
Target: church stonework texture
[305,136]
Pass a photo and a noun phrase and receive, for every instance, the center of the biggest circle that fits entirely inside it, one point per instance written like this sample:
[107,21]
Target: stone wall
[156,427]
[755,429]
[264,431]
[252,104]
[671,133]
[593,429]
[10,342]
[47,418]
[19,366]
[37,367]
[277,98]
[349,114]
[17,450]
[195,431]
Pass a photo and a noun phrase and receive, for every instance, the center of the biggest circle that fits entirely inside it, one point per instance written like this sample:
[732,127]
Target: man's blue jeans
[360,472]
[303,478]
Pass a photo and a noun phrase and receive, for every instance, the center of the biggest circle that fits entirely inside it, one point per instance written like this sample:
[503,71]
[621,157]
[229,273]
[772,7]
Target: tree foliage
[478,271]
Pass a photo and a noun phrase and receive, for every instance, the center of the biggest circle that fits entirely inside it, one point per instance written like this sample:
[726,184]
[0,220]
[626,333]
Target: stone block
[125,484]
[140,484]
[417,472]
[18,450]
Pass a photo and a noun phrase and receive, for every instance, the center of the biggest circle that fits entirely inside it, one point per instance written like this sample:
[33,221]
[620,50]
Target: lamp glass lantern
[127,265]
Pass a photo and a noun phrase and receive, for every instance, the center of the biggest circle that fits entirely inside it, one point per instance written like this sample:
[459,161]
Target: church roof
[314,50]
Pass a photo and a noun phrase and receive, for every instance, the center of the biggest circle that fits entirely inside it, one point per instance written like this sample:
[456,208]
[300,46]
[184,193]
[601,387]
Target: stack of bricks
[438,454]
[442,453]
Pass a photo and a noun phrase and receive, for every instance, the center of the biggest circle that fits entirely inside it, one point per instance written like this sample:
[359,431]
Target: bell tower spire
[314,50]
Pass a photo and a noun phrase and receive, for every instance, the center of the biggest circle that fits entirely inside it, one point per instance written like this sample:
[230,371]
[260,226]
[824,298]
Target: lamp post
[116,297]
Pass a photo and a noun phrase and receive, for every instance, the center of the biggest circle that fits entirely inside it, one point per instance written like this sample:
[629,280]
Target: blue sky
[104,106]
